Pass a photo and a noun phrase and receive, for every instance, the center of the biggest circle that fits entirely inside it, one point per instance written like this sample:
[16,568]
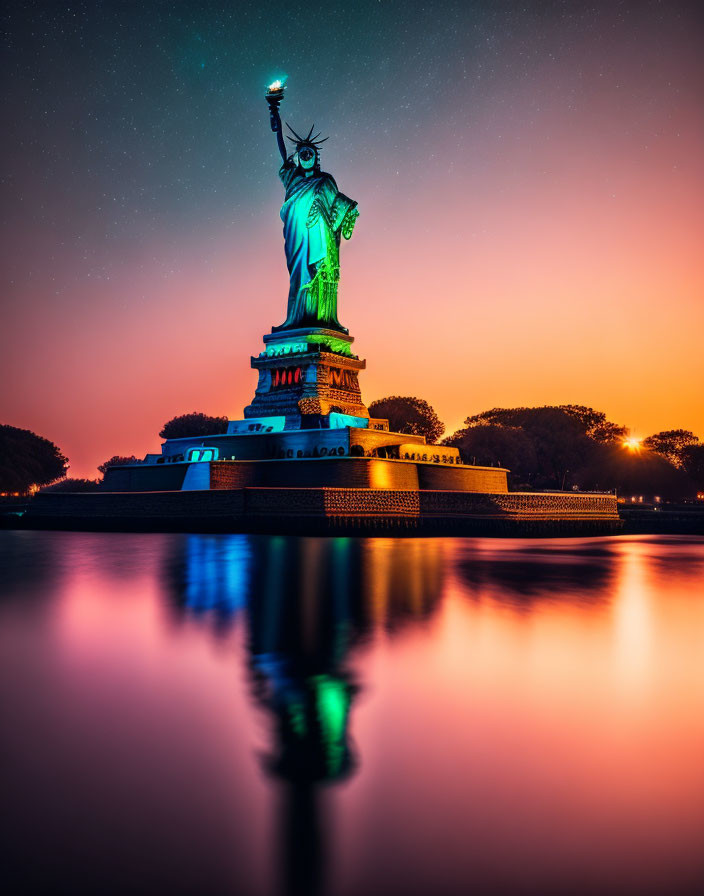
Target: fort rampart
[333,471]
[329,511]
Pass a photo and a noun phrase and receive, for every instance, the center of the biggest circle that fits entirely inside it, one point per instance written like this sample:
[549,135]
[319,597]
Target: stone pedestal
[306,374]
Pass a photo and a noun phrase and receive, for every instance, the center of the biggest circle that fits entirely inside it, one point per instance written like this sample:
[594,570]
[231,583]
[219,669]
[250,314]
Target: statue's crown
[309,140]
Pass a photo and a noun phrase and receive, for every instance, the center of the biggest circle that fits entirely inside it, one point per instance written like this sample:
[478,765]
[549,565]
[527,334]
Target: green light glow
[297,716]
[286,348]
[312,343]
[333,702]
[338,346]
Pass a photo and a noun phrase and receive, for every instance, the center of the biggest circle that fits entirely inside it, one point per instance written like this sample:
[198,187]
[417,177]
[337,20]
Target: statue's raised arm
[315,215]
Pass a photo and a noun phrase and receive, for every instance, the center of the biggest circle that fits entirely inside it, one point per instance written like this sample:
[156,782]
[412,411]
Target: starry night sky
[530,179]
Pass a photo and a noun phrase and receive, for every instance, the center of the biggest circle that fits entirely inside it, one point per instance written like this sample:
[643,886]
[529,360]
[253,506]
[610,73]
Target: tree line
[550,447]
[562,447]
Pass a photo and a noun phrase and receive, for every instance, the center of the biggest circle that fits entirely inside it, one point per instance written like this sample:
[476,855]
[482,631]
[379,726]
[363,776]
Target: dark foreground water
[243,715]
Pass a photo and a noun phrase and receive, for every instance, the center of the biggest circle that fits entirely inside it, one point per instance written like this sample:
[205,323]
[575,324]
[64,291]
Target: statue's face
[306,157]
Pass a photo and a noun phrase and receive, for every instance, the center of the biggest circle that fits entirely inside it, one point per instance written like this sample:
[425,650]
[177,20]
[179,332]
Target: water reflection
[301,626]
[521,572]
[228,714]
[306,604]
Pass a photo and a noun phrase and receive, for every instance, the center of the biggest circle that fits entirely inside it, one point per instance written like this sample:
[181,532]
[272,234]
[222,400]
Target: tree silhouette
[692,457]
[27,459]
[490,444]
[558,437]
[634,473]
[596,426]
[73,485]
[670,444]
[193,424]
[117,461]
[594,423]
[407,414]
[564,445]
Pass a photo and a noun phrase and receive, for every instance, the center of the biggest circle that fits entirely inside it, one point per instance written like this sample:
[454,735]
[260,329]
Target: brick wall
[522,505]
[331,502]
[357,502]
[335,472]
[461,478]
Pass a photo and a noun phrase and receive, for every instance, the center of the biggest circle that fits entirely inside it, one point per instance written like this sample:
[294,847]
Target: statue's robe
[313,212]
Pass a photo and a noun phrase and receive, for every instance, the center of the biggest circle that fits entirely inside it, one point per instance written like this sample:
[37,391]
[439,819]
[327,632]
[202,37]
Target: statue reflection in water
[308,602]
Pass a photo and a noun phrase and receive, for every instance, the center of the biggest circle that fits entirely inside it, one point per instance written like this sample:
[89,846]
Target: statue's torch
[274,94]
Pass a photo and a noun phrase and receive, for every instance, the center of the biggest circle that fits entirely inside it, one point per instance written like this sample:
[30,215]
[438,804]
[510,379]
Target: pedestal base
[306,374]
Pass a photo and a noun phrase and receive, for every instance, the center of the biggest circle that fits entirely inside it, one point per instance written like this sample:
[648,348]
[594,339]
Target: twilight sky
[530,179]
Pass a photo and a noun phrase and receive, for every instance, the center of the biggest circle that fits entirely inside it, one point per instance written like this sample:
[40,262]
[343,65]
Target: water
[247,715]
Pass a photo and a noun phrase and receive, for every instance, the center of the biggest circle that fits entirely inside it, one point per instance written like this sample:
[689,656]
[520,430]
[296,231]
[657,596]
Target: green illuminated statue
[315,215]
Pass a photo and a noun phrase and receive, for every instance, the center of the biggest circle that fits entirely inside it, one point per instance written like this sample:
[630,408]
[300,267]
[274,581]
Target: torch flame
[275,85]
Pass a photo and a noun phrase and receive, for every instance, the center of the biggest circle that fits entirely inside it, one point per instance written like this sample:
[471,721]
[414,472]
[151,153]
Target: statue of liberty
[315,215]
